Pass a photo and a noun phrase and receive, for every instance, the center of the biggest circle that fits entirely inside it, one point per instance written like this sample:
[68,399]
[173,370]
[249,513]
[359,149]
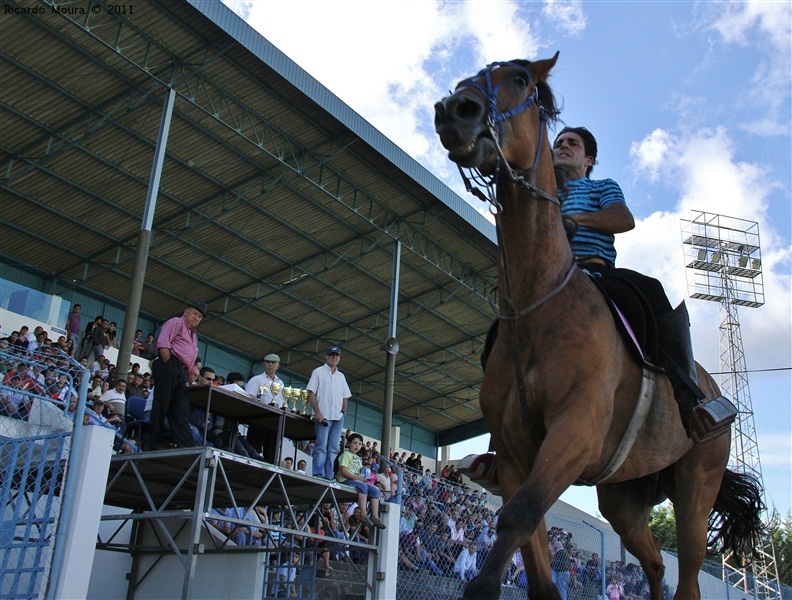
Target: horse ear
[541,68]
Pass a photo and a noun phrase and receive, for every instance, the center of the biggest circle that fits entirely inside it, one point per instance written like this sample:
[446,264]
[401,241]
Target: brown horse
[560,386]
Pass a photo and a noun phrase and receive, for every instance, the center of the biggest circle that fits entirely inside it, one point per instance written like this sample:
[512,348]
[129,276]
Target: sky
[690,104]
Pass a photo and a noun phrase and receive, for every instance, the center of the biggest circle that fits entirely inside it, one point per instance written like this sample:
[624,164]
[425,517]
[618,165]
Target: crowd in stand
[445,529]
[448,530]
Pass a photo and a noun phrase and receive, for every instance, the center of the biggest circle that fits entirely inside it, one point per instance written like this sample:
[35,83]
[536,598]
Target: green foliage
[662,522]
[781,529]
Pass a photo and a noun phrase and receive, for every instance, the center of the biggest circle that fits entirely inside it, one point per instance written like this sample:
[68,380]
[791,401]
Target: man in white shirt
[465,567]
[116,397]
[328,394]
[260,386]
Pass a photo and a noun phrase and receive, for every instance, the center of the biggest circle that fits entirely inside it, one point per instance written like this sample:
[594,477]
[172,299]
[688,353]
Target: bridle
[495,122]
[504,173]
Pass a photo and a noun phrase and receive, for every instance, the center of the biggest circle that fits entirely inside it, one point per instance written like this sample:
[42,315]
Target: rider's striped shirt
[589,195]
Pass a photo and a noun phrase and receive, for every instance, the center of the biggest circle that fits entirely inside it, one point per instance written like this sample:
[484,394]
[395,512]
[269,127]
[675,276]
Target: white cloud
[767,26]
[650,153]
[699,171]
[566,14]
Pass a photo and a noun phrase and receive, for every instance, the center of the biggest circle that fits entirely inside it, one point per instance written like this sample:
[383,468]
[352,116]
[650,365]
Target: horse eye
[521,80]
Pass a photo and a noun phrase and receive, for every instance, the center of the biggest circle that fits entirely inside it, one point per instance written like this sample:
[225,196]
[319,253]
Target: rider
[593,212]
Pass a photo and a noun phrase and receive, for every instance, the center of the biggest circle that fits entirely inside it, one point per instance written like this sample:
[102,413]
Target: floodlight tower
[724,263]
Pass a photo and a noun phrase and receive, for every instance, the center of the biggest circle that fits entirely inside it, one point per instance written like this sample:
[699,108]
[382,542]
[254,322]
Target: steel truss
[172,495]
[724,257]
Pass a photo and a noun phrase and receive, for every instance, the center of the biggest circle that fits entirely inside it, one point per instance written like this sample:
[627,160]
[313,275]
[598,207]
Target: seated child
[350,467]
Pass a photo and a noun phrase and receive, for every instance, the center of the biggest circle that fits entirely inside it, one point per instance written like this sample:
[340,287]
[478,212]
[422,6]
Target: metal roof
[279,205]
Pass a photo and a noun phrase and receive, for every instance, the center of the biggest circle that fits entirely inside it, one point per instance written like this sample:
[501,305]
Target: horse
[560,385]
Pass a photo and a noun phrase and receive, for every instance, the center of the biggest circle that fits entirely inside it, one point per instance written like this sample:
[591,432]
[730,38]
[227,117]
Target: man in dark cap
[173,370]
[328,393]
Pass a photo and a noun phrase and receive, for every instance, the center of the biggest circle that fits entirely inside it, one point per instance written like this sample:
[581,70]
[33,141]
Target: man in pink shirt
[173,370]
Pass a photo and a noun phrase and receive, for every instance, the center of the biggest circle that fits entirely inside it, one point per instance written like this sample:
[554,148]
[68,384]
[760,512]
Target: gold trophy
[287,393]
[304,404]
[274,389]
[262,389]
[295,400]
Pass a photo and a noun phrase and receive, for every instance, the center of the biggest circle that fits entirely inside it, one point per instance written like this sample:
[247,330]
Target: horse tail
[735,524]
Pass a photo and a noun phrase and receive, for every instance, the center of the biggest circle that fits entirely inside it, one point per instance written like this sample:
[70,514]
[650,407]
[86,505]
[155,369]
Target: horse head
[492,117]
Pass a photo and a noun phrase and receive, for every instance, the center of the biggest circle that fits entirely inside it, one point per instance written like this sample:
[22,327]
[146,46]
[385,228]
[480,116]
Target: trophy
[274,389]
[295,401]
[262,389]
[287,393]
[304,404]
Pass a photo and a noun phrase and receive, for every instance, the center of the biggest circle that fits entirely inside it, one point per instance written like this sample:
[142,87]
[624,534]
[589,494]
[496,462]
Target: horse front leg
[487,584]
[558,463]
[537,566]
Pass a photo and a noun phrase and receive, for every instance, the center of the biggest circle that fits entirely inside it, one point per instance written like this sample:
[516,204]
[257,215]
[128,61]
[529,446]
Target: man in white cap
[260,386]
[328,393]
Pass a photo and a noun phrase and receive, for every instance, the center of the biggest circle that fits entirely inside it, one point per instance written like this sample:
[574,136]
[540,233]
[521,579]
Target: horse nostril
[439,113]
[467,108]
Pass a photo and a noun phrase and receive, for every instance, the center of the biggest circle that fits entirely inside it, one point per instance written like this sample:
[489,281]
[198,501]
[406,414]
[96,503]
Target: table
[268,424]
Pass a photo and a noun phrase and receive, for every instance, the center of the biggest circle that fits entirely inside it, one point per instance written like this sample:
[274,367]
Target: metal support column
[144,240]
[391,350]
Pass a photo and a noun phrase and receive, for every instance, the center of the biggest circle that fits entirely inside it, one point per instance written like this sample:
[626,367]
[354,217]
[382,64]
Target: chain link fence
[440,522]
[38,401]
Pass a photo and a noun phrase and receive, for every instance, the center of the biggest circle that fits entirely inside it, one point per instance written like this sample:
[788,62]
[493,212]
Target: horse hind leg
[626,506]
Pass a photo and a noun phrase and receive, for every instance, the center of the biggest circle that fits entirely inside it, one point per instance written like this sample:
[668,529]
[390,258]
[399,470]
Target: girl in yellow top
[350,466]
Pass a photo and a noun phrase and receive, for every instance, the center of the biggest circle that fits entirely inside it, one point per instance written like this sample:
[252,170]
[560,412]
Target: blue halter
[496,119]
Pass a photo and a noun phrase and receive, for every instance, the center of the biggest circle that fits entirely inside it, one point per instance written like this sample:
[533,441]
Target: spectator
[260,386]
[99,340]
[136,387]
[615,590]
[349,473]
[560,569]
[328,394]
[287,463]
[116,397]
[287,575]
[14,403]
[111,334]
[174,369]
[137,343]
[74,325]
[438,547]
[465,566]
[148,351]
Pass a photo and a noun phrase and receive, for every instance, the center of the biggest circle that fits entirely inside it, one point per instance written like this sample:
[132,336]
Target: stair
[344,582]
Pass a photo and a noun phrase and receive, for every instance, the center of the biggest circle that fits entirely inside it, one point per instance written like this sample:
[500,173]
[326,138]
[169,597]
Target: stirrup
[711,419]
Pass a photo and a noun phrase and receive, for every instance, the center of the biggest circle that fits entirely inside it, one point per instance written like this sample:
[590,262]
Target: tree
[662,522]
[781,530]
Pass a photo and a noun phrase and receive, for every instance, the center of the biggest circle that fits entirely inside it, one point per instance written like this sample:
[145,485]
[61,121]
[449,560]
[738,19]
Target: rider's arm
[614,218]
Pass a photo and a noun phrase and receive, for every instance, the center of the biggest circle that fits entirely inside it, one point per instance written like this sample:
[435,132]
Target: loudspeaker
[391,346]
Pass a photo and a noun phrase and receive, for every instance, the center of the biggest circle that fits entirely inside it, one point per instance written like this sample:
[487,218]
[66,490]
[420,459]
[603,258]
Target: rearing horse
[560,386]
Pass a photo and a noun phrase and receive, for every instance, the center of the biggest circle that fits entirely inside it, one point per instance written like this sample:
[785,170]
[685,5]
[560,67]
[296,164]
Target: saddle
[632,313]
